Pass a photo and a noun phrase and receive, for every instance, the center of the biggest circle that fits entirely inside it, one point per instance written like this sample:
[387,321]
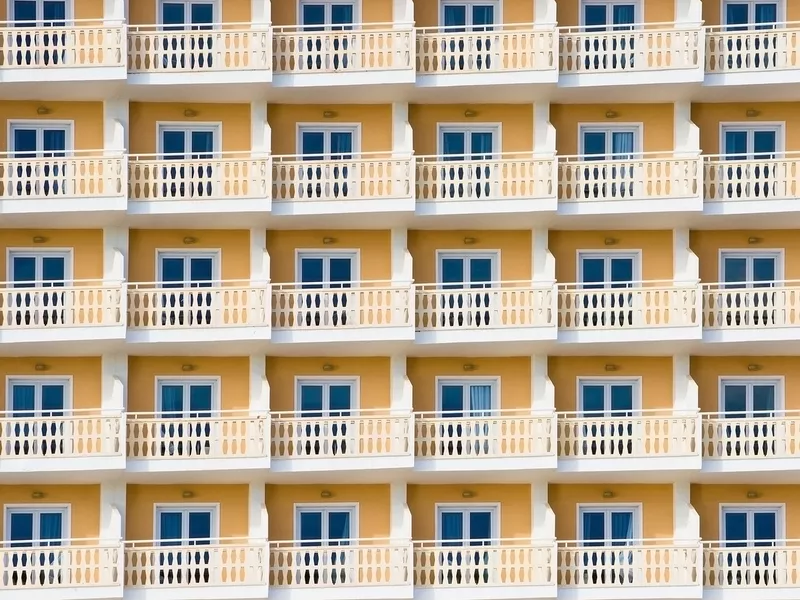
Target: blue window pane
[482,15]
[341,270]
[735,144]
[454,144]
[53,400]
[172,14]
[735,527]
[480,526]
[51,527]
[764,143]
[21,527]
[200,400]
[764,269]
[311,270]
[202,14]
[765,528]
[736,13]
[735,399]
[200,526]
[480,271]
[201,269]
[202,144]
[763,400]
[172,270]
[313,142]
[592,398]
[172,399]
[24,10]
[594,528]
[22,400]
[594,143]
[481,144]
[593,270]
[53,268]
[735,269]
[24,268]
[623,14]
[452,270]
[455,17]
[342,14]
[452,526]
[25,143]
[341,144]
[621,527]
[54,142]
[173,142]
[621,399]
[339,525]
[313,14]
[311,400]
[310,526]
[622,144]
[594,15]
[340,400]
[171,528]
[621,270]
[766,14]
[452,400]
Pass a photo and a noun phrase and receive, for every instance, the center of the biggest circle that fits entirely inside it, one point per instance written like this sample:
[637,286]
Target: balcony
[89,569]
[649,440]
[90,181]
[744,572]
[503,312]
[379,569]
[367,311]
[513,569]
[645,185]
[56,312]
[518,182]
[365,440]
[233,568]
[511,54]
[231,182]
[659,569]
[368,54]
[223,441]
[506,440]
[751,312]
[637,311]
[207,61]
[234,310]
[81,51]
[654,54]
[368,183]
[750,187]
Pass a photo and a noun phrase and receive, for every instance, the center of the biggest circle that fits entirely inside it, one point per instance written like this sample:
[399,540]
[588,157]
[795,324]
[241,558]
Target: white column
[685,397]
[257,521]
[114,10]
[400,515]
[402,12]
[115,250]
[113,500]
[686,134]
[260,132]
[400,391]
[113,382]
[115,126]
[542,389]
[544,263]
[259,259]
[544,134]
[402,135]
[259,386]
[689,12]
[260,12]
[686,520]
[543,519]
[685,264]
[544,13]
[401,257]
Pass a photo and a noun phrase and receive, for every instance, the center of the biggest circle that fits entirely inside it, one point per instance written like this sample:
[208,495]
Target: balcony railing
[366,176]
[645,434]
[640,563]
[753,50]
[502,434]
[646,176]
[645,47]
[234,303]
[77,434]
[80,43]
[503,562]
[223,562]
[365,47]
[304,306]
[507,176]
[362,562]
[362,434]
[223,47]
[502,48]
[74,563]
[753,305]
[225,176]
[498,305]
[636,304]
[730,179]
[223,434]
[755,568]
[81,174]
[734,436]
[74,303]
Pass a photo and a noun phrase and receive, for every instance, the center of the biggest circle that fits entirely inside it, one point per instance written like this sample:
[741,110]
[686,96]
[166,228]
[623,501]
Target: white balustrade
[643,47]
[645,434]
[81,43]
[75,303]
[366,433]
[75,563]
[504,562]
[731,180]
[641,563]
[753,305]
[498,305]
[366,176]
[366,47]
[221,47]
[223,562]
[506,433]
[754,568]
[732,436]
[773,48]
[507,176]
[362,562]
[642,304]
[76,434]
[80,174]
[303,306]
[234,303]
[510,47]
[646,176]
[223,434]
[224,176]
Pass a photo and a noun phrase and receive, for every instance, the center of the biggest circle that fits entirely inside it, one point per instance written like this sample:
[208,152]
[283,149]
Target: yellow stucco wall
[84,372]
[86,119]
[709,117]
[83,501]
[707,245]
[86,246]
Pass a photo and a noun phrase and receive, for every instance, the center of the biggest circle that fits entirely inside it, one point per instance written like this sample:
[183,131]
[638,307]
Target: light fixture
[752,494]
[470,113]
[40,367]
[752,112]
[186,368]
[608,494]
[328,240]
[189,113]
[470,240]
[39,239]
[609,241]
[189,240]
[610,367]
[467,494]
[187,494]
[326,494]
[329,114]
[328,367]
[469,367]
[753,367]
[43,110]
[37,495]
[611,114]
[754,240]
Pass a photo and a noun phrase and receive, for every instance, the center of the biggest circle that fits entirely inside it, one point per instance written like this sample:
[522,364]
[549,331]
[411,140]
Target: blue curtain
[54,13]
[623,15]
[199,528]
[593,525]
[482,146]
[52,400]
[200,400]
[766,15]
[735,144]
[54,142]
[763,401]
[22,401]
[452,524]
[202,144]
[341,145]
[455,18]
[453,145]
[171,528]
[765,528]
[311,401]
[621,528]
[622,144]
[50,528]
[21,529]
[482,17]
[480,528]
[341,16]
[480,400]
[172,400]
[764,144]
[339,528]
[735,526]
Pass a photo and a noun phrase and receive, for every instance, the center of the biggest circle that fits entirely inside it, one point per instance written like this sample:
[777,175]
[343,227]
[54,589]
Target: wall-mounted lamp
[189,113]
[469,367]
[608,494]
[752,494]
[467,494]
[609,241]
[328,367]
[40,367]
[39,239]
[470,240]
[43,110]
[752,112]
[611,114]
[470,113]
[37,495]
[326,494]
[329,114]
[188,240]
[328,240]
[754,240]
[611,367]
[187,494]
[753,367]
[187,368]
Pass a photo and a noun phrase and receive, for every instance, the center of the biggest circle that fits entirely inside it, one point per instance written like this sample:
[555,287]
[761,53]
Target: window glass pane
[341,145]
[454,144]
[172,270]
[736,144]
[50,526]
[52,399]
[312,142]
[766,13]
[200,400]
[621,527]
[25,143]
[765,527]
[339,525]
[171,528]
[481,144]
[621,270]
[480,270]
[310,527]
[594,529]
[623,14]
[594,15]
[341,270]
[592,398]
[594,143]
[452,400]
[311,400]
[54,142]
[621,400]
[24,268]
[734,269]
[735,399]
[200,526]
[311,270]
[25,10]
[736,13]
[172,13]
[173,142]
[593,270]
[483,15]
[452,525]
[342,14]
[622,144]
[764,143]
[201,269]
[764,269]
[455,17]
[202,14]
[763,400]
[23,399]
[480,526]
[53,268]
[452,270]
[172,399]
[202,144]
[21,526]
[339,400]
[313,14]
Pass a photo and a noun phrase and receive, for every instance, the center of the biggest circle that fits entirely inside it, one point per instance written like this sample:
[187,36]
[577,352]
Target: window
[191,150]
[185,525]
[609,143]
[467,15]
[750,398]
[468,402]
[604,15]
[35,49]
[751,269]
[748,142]
[620,179]
[328,143]
[746,14]
[331,15]
[607,270]
[187,269]
[38,397]
[470,525]
[327,270]
[183,404]
[751,525]
[39,141]
[326,53]
[33,268]
[608,525]
[188,142]
[460,143]
[318,400]
[187,14]
[467,270]
[325,525]
[458,398]
[612,402]
[41,12]
[37,526]
[319,143]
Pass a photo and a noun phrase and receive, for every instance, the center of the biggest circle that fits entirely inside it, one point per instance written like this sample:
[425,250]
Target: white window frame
[327,129]
[776,253]
[638,10]
[353,254]
[465,508]
[187,128]
[326,382]
[636,128]
[494,255]
[186,383]
[351,507]
[777,381]
[494,382]
[328,3]
[69,11]
[40,126]
[39,381]
[186,3]
[607,382]
[214,255]
[496,129]
[607,255]
[780,520]
[607,509]
[497,4]
[780,12]
[778,127]
[65,253]
[185,509]
[64,509]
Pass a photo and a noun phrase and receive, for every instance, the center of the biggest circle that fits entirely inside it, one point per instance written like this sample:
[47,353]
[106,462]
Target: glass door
[604,528]
[327,273]
[180,271]
[751,406]
[323,531]
[467,52]
[614,181]
[328,51]
[187,407]
[748,528]
[41,170]
[460,273]
[755,178]
[45,44]
[460,528]
[180,16]
[178,528]
[191,152]
[320,403]
[466,404]
[37,409]
[743,274]
[602,272]
[39,271]
[35,527]
[320,145]
[605,52]
[750,51]
[608,407]
[471,148]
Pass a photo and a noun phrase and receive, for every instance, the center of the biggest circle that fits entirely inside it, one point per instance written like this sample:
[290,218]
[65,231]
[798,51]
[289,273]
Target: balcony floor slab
[627,335]
[67,335]
[331,470]
[207,466]
[198,335]
[210,592]
[89,592]
[343,335]
[356,592]
[486,592]
[506,464]
[228,86]
[54,209]
[771,593]
[650,465]
[654,592]
[485,207]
